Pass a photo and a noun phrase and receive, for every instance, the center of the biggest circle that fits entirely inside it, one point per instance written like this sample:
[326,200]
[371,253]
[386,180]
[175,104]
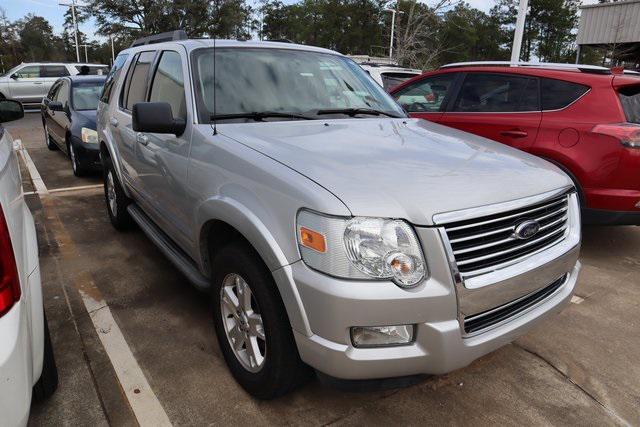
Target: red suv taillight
[9,280]
[627,133]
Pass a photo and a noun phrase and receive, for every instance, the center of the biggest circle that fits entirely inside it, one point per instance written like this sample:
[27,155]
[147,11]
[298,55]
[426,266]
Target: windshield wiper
[354,111]
[259,116]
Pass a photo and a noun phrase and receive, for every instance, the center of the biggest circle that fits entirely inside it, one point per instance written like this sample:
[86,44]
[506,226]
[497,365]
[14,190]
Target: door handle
[514,133]
[142,139]
[114,122]
[37,83]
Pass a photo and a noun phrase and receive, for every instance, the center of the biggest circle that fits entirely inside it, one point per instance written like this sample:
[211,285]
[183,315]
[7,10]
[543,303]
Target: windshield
[284,81]
[85,96]
[11,71]
[391,80]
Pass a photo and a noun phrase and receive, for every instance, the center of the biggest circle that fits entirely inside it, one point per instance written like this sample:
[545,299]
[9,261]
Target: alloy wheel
[242,322]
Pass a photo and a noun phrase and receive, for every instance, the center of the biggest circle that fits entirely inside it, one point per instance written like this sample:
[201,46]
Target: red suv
[585,119]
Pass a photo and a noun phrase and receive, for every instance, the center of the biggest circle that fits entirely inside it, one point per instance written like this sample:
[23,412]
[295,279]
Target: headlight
[89,136]
[361,248]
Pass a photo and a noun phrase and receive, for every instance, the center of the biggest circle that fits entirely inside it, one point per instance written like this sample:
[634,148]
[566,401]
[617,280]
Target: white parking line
[67,189]
[38,183]
[144,403]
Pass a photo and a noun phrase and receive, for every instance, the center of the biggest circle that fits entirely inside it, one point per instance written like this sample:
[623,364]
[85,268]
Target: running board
[169,249]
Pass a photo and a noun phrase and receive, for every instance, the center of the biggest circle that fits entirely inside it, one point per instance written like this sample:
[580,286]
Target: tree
[38,41]
[549,28]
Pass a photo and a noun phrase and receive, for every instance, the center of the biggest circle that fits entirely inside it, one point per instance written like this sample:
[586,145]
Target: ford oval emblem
[526,229]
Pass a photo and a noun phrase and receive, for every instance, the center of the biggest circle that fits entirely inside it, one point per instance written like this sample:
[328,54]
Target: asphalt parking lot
[578,368]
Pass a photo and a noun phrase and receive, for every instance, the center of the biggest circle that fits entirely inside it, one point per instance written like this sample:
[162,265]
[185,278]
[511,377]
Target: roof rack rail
[280,40]
[595,69]
[162,37]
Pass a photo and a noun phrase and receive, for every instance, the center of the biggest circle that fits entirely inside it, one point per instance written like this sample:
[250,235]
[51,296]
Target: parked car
[385,72]
[330,230]
[69,120]
[584,119]
[30,82]
[27,365]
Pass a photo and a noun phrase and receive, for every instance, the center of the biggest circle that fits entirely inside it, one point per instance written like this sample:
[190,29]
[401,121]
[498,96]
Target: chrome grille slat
[507,251]
[516,215]
[489,242]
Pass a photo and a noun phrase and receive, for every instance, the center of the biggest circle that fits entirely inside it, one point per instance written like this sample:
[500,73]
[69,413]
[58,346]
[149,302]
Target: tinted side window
[557,94]
[425,95]
[53,91]
[630,100]
[168,84]
[29,72]
[113,76]
[482,92]
[391,80]
[54,71]
[138,76]
[63,93]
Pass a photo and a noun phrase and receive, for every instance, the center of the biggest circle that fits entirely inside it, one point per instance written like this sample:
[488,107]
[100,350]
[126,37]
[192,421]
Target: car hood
[87,117]
[401,168]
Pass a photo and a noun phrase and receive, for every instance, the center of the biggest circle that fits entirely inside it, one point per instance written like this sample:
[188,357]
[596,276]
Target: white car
[27,366]
[389,76]
[30,82]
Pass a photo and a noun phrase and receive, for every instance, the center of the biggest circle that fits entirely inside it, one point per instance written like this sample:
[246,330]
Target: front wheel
[115,198]
[48,382]
[78,168]
[252,326]
[47,138]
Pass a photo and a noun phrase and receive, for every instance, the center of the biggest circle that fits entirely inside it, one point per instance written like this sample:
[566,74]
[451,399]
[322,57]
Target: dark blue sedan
[69,120]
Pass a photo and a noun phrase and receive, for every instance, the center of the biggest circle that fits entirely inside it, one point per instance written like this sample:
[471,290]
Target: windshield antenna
[215,128]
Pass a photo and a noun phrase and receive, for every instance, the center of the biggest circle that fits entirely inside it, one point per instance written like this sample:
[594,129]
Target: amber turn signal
[313,240]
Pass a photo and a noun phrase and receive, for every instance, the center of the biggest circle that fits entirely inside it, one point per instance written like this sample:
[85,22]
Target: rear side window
[113,76]
[391,80]
[558,94]
[168,84]
[481,93]
[425,95]
[136,88]
[54,71]
[630,100]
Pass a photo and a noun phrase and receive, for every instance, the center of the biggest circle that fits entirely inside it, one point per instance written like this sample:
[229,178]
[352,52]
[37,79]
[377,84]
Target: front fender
[106,138]
[253,229]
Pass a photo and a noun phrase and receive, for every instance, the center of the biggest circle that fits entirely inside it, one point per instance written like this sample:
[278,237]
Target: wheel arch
[222,220]
[107,151]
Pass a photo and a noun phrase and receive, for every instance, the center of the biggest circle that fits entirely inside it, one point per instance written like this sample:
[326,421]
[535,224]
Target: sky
[54,13]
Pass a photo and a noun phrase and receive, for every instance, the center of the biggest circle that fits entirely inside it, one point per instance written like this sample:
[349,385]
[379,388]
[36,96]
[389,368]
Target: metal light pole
[75,25]
[86,56]
[393,27]
[517,37]
[113,51]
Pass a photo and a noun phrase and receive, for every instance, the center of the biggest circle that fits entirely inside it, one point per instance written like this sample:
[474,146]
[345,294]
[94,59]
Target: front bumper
[438,307]
[88,154]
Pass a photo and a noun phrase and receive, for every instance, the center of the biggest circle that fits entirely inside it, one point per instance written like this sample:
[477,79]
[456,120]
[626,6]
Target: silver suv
[30,82]
[330,230]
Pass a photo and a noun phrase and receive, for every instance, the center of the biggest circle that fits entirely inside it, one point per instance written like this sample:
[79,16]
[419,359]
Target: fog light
[382,336]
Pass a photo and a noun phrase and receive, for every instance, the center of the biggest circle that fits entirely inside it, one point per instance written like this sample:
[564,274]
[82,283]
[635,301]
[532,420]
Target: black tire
[118,213]
[78,168]
[283,370]
[48,382]
[47,138]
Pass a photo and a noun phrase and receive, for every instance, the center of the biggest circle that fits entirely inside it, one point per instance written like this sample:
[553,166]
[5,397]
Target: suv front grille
[484,244]
[483,320]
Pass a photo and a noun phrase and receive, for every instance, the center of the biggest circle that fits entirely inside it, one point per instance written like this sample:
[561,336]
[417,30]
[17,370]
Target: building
[613,29]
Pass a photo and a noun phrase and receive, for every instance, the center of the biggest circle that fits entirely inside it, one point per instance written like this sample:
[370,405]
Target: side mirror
[56,106]
[10,110]
[13,76]
[156,117]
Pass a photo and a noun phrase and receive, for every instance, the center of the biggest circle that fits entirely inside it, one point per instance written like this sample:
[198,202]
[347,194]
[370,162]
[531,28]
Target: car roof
[64,63]
[191,44]
[85,79]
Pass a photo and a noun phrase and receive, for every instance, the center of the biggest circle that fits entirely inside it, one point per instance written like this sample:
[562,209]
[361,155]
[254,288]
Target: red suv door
[499,106]
[427,97]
